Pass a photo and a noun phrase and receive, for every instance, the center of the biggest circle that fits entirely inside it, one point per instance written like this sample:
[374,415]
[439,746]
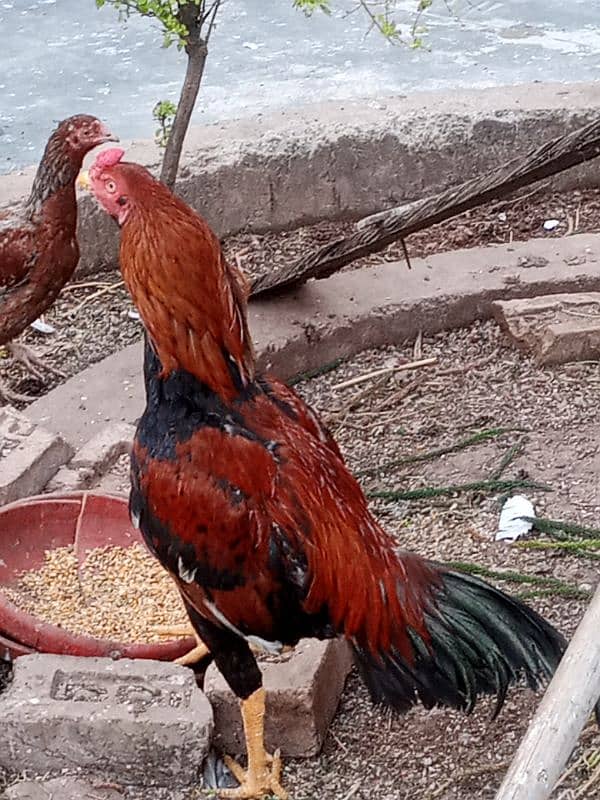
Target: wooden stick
[424,362]
[86,285]
[564,710]
[94,296]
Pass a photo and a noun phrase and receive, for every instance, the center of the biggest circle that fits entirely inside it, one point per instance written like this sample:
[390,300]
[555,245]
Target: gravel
[92,315]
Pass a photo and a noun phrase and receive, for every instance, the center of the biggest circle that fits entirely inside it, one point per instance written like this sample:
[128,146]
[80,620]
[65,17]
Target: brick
[133,722]
[28,467]
[63,788]
[555,329]
[104,448]
[302,697]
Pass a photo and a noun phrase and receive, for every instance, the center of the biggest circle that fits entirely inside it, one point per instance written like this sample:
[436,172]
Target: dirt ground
[482,402]
[92,315]
[479,385]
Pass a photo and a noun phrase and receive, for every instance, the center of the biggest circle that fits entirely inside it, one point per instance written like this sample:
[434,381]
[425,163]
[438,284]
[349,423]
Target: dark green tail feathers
[481,641]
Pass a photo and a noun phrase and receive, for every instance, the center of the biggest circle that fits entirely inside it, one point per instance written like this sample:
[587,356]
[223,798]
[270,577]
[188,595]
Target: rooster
[38,243]
[243,496]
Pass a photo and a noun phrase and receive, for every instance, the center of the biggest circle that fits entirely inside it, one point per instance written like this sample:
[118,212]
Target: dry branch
[382,229]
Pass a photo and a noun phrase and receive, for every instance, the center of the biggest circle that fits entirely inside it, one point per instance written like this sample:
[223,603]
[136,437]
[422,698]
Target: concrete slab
[135,722]
[302,697]
[340,316]
[556,329]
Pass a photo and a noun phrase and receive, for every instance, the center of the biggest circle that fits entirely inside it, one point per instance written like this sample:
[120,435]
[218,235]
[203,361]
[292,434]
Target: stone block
[104,448]
[556,328]
[302,697]
[133,722]
[29,456]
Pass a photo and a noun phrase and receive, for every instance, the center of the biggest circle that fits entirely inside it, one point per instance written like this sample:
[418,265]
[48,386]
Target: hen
[243,496]
[38,243]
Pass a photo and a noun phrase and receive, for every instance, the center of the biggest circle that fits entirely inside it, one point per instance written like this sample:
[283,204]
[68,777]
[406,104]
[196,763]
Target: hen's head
[82,133]
[119,186]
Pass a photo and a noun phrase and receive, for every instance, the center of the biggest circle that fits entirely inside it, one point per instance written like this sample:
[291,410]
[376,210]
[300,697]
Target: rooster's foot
[193,656]
[258,782]
[32,362]
[263,775]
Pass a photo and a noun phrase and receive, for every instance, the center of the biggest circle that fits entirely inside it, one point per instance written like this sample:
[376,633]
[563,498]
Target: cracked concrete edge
[29,467]
[347,159]
[343,315]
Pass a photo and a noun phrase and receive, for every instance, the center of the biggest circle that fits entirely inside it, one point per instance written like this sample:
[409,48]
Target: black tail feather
[480,642]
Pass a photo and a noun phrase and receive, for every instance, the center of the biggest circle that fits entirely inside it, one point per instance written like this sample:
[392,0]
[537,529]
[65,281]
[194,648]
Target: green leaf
[164,113]
[310,6]
[168,13]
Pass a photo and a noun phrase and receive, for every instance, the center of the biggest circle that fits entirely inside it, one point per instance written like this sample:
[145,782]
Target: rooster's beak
[83,180]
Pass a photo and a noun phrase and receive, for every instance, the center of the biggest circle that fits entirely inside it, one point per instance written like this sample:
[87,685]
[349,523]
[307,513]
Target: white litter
[512,525]
[43,327]
[551,224]
[133,314]
[502,216]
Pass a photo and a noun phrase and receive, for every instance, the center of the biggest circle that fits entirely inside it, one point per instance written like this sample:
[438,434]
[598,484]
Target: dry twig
[94,296]
[425,362]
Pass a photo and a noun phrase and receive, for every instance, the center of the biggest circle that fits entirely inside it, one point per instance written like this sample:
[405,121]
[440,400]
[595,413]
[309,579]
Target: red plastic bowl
[30,527]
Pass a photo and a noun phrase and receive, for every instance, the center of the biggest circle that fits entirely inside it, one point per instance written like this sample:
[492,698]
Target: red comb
[108,158]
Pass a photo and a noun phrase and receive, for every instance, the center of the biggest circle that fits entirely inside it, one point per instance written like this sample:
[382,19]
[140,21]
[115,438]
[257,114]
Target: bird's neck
[192,304]
[56,173]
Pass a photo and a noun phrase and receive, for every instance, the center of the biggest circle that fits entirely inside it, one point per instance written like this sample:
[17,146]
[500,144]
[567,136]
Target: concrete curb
[343,315]
[349,159]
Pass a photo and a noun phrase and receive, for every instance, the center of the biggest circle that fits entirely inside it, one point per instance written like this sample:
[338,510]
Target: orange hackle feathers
[188,296]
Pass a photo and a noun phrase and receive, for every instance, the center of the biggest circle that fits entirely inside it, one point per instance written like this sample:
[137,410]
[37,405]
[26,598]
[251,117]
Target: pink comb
[108,158]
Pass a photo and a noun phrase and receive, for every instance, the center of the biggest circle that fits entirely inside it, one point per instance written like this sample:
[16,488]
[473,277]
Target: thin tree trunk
[196,53]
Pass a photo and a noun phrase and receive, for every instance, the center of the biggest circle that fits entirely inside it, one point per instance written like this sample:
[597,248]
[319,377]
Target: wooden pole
[561,716]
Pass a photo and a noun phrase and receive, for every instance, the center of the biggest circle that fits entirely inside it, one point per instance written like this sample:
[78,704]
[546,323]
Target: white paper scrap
[512,525]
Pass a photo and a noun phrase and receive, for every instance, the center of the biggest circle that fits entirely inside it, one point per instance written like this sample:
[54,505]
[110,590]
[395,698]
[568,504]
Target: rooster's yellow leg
[263,775]
[194,655]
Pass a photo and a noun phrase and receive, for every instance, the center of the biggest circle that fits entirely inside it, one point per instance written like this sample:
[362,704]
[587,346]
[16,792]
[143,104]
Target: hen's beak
[107,136]
[83,180]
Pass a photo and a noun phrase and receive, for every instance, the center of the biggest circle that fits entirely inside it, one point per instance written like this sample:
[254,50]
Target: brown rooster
[38,243]
[243,496]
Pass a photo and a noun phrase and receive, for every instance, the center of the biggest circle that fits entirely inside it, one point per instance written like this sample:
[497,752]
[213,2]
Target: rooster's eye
[111,186]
